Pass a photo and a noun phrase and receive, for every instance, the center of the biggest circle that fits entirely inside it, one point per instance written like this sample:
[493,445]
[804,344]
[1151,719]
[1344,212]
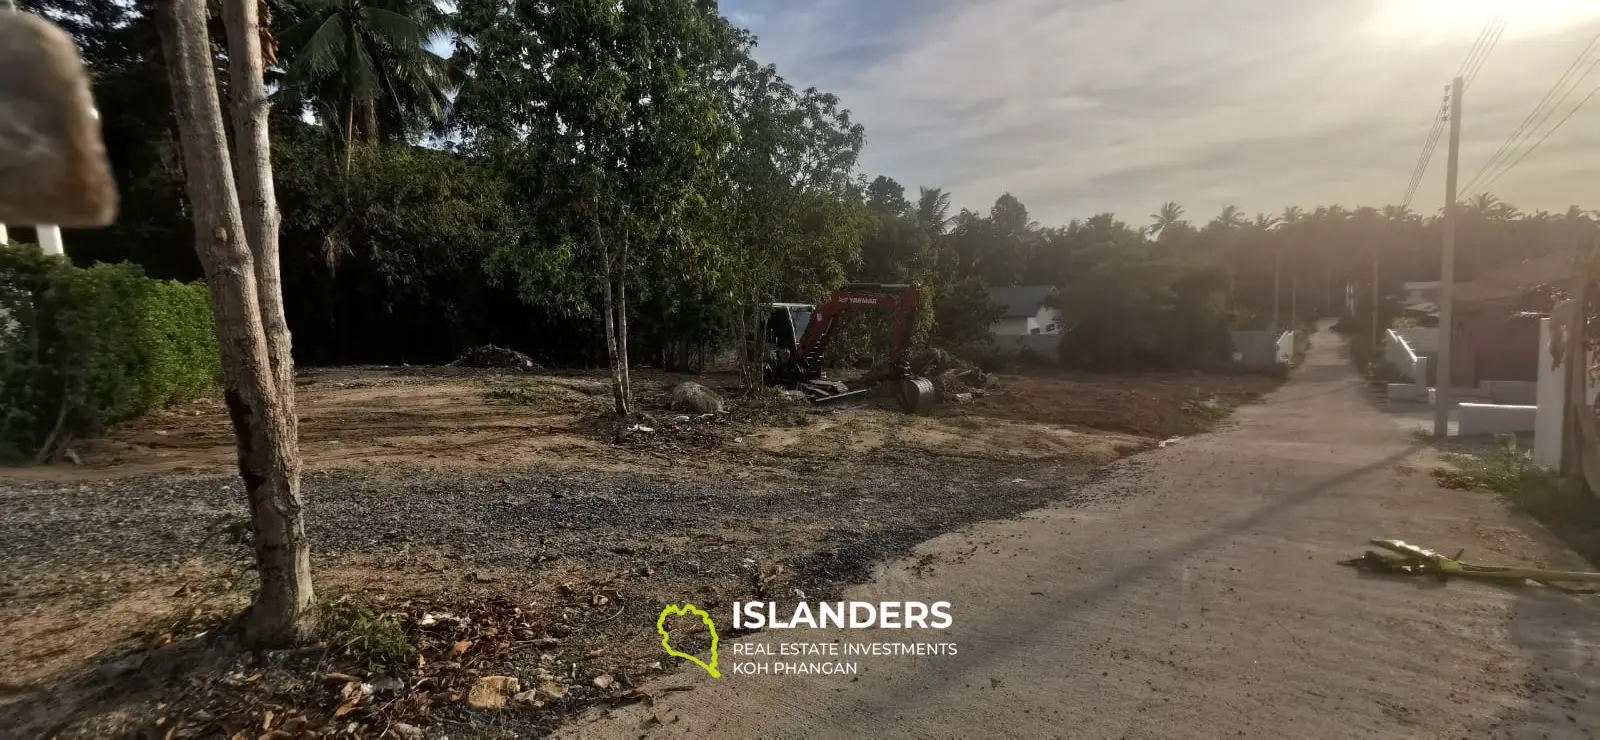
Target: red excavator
[797,336]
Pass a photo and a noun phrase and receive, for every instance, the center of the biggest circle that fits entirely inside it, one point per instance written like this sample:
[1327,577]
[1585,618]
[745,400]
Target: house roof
[1508,284]
[1020,300]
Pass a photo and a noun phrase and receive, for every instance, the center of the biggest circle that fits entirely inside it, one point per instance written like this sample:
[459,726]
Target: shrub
[84,347]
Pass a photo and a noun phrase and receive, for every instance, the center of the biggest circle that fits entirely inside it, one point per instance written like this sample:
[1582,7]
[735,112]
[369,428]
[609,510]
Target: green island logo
[666,640]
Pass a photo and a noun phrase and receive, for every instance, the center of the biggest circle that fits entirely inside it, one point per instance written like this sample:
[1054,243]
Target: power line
[1426,157]
[1499,26]
[1525,129]
[1488,36]
[1472,53]
[1547,134]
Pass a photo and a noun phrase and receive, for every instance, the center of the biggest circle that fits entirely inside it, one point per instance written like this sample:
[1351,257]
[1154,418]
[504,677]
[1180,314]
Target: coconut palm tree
[1170,214]
[933,212]
[364,65]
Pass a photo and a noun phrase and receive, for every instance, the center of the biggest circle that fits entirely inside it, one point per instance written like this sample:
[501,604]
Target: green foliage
[178,344]
[1508,470]
[369,641]
[85,347]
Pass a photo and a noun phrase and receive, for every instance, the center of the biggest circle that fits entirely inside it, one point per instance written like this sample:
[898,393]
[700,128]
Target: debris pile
[488,355]
[954,379]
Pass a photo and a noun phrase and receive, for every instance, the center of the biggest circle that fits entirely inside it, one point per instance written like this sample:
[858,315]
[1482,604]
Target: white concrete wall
[1286,347]
[1047,321]
[1552,402]
[1399,354]
[1011,327]
[1488,419]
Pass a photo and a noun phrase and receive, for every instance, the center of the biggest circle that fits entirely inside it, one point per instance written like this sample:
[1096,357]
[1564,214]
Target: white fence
[1400,354]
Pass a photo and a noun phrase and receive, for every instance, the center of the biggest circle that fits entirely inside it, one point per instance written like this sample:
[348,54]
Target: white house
[1028,310]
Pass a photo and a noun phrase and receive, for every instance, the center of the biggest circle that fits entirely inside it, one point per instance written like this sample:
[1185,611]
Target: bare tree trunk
[618,394]
[622,315]
[258,198]
[264,431]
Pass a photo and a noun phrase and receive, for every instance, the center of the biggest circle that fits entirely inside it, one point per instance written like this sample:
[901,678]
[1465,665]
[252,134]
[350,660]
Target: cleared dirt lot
[514,499]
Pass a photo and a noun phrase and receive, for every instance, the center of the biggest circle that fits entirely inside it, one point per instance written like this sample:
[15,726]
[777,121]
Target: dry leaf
[461,647]
[266,720]
[345,708]
[331,677]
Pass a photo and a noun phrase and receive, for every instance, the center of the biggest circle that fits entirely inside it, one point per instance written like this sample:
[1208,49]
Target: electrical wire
[1541,140]
[1426,157]
[1499,25]
[1525,129]
[1477,55]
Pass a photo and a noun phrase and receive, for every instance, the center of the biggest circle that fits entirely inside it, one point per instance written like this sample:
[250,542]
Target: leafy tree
[363,66]
[615,106]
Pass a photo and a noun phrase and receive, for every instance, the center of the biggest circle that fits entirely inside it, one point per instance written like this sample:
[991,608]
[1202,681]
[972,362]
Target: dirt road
[1201,599]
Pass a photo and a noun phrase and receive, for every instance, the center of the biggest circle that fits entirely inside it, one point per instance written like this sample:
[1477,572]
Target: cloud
[1082,106]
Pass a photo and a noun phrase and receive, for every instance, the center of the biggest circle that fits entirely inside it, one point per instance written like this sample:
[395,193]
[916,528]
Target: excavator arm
[901,299]
[805,364]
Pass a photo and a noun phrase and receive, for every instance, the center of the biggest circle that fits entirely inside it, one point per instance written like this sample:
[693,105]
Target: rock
[963,397]
[408,732]
[387,686]
[553,689]
[604,681]
[690,396]
[491,692]
[527,697]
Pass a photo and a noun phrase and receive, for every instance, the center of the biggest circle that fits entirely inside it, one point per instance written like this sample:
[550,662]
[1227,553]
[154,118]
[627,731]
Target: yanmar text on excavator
[797,336]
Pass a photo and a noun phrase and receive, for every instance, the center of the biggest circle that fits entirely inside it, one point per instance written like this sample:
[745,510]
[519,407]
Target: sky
[1078,107]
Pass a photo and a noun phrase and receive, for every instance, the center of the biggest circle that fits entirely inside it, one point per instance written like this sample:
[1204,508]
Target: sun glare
[1445,19]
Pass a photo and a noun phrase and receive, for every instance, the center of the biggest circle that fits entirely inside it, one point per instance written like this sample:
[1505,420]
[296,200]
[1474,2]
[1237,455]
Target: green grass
[1567,509]
[370,642]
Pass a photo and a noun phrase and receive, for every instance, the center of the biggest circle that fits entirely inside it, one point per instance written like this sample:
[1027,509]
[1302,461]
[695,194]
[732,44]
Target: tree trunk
[369,114]
[264,431]
[258,198]
[349,139]
[618,394]
[621,269]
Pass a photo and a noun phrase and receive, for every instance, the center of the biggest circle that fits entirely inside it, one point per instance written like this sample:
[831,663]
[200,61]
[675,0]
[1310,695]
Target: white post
[3,239]
[1552,400]
[50,240]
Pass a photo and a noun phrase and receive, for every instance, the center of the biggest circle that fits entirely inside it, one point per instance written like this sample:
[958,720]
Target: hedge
[81,348]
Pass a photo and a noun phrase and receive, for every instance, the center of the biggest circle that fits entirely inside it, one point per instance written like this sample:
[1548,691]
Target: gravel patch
[830,530]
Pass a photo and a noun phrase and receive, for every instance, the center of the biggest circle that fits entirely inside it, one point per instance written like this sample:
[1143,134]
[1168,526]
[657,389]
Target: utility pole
[1277,275]
[1447,273]
[1376,330]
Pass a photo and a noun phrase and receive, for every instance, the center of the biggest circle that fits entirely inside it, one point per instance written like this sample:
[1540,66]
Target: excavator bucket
[53,167]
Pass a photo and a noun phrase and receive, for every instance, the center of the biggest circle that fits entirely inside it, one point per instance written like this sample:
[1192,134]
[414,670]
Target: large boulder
[690,396]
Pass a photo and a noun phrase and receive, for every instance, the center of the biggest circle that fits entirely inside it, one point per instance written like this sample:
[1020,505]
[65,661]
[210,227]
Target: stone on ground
[691,396]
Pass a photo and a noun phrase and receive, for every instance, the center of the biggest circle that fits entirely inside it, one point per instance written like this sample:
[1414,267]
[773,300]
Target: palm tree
[364,64]
[933,212]
[1170,214]
[1231,217]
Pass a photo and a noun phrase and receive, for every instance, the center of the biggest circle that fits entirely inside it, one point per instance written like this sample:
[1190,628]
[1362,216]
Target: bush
[84,347]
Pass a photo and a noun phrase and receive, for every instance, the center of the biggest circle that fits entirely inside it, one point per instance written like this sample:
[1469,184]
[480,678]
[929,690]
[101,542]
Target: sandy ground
[1198,596]
[449,419]
[468,491]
